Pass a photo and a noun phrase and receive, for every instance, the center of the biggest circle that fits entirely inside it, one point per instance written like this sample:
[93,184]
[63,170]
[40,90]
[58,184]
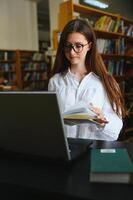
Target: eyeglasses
[77,47]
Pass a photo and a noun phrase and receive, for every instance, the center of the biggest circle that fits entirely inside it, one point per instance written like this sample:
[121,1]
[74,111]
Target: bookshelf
[8,69]
[23,70]
[114,35]
[114,39]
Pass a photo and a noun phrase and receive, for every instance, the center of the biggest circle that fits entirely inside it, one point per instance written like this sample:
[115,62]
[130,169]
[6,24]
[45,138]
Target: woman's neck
[78,69]
[79,72]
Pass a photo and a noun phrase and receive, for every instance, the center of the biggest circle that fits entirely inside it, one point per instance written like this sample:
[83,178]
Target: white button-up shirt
[89,90]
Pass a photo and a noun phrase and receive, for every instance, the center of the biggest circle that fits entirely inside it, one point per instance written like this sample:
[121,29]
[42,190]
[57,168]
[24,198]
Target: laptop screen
[31,123]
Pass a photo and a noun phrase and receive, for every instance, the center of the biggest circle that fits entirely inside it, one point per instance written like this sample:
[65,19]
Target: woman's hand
[99,114]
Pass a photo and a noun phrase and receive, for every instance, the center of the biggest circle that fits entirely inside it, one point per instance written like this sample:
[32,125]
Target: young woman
[79,75]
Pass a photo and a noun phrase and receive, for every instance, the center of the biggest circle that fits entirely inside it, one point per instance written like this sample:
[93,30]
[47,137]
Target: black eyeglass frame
[69,47]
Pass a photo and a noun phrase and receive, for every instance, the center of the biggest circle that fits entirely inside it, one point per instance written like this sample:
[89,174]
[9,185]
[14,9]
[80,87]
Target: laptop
[31,124]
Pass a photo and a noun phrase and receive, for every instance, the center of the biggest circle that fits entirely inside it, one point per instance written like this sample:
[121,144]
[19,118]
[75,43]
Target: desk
[30,179]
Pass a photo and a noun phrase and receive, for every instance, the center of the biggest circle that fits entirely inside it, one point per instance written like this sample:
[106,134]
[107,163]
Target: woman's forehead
[76,37]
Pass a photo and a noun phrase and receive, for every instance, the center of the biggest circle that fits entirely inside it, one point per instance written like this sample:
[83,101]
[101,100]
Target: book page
[79,108]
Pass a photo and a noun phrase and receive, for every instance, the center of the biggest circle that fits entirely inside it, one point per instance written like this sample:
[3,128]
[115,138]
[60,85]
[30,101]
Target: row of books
[7,55]
[34,66]
[35,76]
[115,67]
[107,23]
[10,67]
[35,85]
[114,46]
[129,30]
[25,56]
[119,68]
[5,67]
[9,77]
[38,56]
[33,56]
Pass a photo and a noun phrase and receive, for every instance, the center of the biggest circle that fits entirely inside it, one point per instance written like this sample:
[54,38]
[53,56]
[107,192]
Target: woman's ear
[89,45]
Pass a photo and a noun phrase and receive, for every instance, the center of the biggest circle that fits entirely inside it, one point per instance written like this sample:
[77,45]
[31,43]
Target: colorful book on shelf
[81,113]
[107,23]
[100,22]
[117,26]
[111,166]
[112,26]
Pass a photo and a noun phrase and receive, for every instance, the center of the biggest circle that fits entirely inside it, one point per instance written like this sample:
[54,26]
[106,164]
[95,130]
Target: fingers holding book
[99,114]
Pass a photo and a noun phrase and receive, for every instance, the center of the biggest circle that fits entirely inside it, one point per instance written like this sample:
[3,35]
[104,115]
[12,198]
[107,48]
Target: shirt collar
[69,73]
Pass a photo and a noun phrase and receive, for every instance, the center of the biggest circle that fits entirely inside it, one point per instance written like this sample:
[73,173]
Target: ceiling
[116,6]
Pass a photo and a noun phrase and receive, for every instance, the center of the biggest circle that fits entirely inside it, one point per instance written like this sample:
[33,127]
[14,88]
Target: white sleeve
[51,86]
[114,126]
[112,129]
[110,132]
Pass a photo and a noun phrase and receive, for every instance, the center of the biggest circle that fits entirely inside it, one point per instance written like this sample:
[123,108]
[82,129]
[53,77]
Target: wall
[18,24]
[53,13]
[124,8]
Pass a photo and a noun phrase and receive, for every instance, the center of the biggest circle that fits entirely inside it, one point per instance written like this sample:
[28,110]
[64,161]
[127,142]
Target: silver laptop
[31,123]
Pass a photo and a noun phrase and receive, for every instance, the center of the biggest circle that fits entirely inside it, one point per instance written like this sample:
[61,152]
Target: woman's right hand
[99,114]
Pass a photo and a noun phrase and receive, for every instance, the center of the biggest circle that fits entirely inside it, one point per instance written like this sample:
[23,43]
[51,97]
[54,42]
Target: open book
[80,113]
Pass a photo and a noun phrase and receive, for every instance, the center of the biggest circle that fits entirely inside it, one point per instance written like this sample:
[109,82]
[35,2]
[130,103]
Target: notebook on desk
[31,123]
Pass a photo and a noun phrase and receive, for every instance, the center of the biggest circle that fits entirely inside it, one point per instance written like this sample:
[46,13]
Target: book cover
[100,22]
[111,166]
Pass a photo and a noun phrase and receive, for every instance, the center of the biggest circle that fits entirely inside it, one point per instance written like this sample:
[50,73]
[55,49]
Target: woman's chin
[74,62]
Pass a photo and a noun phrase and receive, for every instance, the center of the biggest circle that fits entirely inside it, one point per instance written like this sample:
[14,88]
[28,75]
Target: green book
[111,166]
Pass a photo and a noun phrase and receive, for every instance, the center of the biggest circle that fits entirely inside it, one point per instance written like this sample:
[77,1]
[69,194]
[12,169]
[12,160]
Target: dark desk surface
[36,179]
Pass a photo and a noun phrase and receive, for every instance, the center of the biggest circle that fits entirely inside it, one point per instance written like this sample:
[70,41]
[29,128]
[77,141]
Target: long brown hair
[93,62]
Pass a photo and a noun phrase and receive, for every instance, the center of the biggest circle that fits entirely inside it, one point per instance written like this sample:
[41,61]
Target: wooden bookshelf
[23,70]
